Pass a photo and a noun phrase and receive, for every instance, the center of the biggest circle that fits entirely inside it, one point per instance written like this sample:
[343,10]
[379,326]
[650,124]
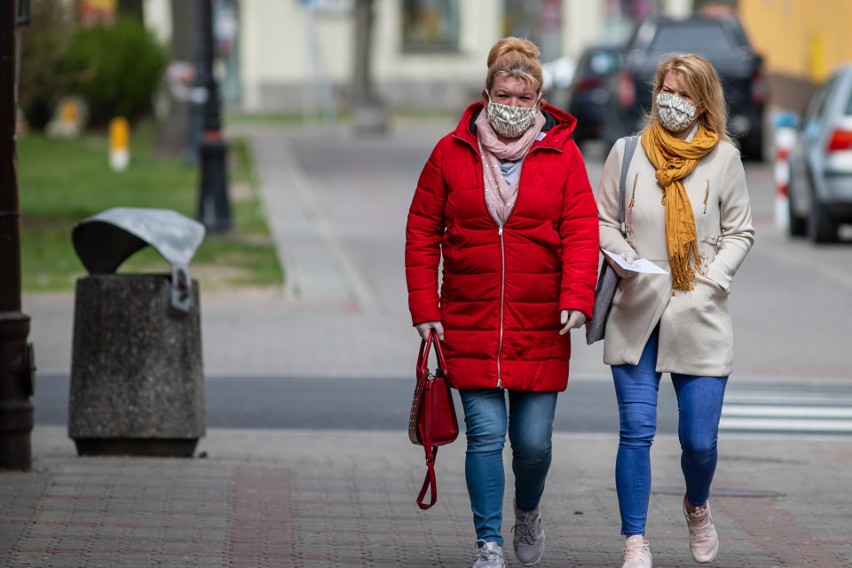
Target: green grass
[62,182]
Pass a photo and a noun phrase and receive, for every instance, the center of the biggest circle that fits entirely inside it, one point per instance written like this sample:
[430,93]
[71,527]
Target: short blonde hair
[516,58]
[697,76]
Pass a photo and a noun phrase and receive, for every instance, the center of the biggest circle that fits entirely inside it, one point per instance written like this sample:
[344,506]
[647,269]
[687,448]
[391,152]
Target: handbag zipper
[502,307]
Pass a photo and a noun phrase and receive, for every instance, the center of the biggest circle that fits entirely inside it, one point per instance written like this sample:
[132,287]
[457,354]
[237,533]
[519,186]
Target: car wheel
[821,228]
[752,148]
[797,225]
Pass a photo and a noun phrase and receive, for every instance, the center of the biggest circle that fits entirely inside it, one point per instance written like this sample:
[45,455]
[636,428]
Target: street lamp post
[17,369]
[214,208]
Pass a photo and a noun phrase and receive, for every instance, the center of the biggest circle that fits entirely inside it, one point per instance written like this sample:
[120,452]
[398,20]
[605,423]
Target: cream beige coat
[696,335]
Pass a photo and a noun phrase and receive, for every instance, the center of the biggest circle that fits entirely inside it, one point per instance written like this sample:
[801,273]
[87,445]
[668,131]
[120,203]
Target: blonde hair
[517,58]
[697,76]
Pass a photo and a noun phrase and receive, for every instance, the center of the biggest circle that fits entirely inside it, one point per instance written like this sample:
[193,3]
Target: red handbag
[432,421]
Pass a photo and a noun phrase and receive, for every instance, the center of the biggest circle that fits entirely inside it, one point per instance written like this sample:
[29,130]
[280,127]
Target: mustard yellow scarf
[675,159]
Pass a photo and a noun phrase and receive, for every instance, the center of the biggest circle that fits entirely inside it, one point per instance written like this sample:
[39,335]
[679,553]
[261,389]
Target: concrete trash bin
[137,381]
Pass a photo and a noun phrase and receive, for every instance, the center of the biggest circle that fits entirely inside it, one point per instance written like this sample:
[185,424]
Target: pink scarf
[499,196]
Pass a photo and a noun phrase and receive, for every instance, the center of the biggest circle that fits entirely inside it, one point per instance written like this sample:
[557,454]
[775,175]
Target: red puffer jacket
[503,289]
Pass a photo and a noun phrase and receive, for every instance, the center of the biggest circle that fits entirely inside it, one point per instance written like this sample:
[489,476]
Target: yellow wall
[806,39]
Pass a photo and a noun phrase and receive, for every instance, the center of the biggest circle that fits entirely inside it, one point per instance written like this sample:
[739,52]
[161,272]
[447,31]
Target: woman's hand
[570,319]
[629,257]
[423,329]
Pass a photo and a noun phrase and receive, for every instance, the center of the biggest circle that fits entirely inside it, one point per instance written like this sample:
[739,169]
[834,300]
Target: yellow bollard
[119,144]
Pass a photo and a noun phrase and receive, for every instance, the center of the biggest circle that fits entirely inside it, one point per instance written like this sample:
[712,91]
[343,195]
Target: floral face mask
[675,113]
[510,121]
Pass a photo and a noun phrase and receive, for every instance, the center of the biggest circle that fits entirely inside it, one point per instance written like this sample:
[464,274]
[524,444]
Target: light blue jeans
[529,421]
[699,402]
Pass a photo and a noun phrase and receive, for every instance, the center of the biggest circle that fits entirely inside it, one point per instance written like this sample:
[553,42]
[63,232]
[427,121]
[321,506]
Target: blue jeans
[529,422]
[699,402]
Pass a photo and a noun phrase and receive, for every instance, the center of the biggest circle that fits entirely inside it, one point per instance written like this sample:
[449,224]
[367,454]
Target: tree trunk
[131,9]
[173,135]
[369,115]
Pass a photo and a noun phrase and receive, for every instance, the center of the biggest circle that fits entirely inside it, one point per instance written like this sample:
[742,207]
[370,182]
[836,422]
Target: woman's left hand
[570,319]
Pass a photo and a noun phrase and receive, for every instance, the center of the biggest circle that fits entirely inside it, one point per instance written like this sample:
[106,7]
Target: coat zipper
[502,261]
[502,305]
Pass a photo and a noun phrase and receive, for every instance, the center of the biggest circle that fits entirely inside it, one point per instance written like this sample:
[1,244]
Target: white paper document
[639,265]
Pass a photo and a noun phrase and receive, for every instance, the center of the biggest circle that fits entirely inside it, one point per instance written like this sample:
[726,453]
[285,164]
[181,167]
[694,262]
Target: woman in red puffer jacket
[506,200]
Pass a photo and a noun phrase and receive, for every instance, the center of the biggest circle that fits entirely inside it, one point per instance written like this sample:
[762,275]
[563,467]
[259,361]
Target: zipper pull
[500,231]
[706,195]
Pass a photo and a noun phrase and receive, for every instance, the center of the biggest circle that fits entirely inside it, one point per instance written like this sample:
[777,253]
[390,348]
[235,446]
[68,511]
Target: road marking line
[774,424]
[755,411]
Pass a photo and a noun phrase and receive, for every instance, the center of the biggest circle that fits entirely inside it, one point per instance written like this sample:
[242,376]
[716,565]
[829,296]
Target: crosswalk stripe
[786,411]
[791,399]
[778,424]
[756,411]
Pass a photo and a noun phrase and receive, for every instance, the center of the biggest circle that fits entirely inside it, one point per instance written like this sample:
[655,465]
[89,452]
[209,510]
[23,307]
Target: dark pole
[16,363]
[214,208]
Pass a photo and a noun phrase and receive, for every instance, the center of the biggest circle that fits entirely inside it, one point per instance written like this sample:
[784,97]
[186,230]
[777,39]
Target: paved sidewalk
[306,499]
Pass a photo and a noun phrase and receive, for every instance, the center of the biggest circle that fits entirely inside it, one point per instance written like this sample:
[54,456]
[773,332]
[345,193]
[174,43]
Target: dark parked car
[586,98]
[820,188]
[720,39]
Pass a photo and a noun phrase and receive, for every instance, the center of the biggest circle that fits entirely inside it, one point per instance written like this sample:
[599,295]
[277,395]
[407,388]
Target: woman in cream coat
[686,210]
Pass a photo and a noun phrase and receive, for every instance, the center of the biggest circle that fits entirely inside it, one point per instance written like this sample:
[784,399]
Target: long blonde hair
[517,58]
[697,76]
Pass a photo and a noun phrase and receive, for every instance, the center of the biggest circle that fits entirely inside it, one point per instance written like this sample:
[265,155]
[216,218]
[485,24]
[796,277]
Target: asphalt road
[791,300]
[791,303]
[382,404]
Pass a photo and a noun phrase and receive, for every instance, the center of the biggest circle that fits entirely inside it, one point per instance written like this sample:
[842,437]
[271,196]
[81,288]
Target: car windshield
[694,36]
[602,62]
[849,104]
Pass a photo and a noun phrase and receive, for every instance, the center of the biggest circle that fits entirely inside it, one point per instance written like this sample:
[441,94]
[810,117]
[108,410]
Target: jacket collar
[558,125]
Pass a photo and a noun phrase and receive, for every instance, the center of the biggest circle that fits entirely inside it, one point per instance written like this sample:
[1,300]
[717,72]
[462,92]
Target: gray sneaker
[488,555]
[529,536]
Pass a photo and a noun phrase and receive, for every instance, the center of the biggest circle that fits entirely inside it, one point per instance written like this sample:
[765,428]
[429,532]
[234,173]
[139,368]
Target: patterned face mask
[510,121]
[675,113]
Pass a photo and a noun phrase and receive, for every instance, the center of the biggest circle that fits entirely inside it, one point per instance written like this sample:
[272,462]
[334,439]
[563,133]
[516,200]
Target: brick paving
[307,499]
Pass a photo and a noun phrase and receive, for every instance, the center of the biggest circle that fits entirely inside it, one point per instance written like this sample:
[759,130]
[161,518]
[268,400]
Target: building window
[430,25]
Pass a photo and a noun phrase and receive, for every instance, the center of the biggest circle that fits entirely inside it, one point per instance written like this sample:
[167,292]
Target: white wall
[158,19]
[583,23]
[281,57]
[677,8]
[280,66]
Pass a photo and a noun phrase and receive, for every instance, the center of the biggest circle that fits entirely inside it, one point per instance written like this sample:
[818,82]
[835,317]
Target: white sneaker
[637,553]
[703,540]
[529,536]
[488,555]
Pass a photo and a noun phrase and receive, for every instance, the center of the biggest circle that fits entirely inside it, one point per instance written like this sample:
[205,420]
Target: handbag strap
[430,450]
[423,356]
[630,143]
[439,353]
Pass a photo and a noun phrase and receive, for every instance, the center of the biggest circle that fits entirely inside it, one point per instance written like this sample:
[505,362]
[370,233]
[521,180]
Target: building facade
[297,56]
[803,42]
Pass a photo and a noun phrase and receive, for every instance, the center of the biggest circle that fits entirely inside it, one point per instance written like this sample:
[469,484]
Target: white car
[820,190]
